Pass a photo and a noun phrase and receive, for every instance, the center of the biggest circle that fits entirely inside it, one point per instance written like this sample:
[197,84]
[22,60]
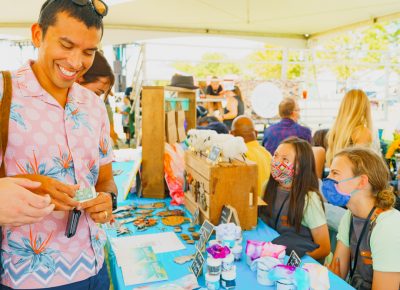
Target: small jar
[285,285]
[227,262]
[212,281]
[262,275]
[237,252]
[228,240]
[214,266]
[228,279]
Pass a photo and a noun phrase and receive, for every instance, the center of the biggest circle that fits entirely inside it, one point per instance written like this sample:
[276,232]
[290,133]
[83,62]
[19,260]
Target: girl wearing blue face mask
[295,208]
[368,248]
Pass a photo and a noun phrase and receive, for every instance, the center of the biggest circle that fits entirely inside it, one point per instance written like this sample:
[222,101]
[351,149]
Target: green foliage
[212,64]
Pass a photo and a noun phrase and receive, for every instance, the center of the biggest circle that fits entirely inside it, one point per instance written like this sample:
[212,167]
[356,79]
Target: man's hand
[99,208]
[61,194]
[334,267]
[19,206]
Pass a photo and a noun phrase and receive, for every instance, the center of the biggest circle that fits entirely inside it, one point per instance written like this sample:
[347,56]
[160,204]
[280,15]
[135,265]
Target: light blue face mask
[333,195]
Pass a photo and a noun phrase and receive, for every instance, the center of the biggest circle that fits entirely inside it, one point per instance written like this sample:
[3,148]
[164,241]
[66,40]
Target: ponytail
[385,199]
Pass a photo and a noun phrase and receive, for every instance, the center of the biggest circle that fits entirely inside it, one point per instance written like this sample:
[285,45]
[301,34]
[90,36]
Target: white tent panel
[289,20]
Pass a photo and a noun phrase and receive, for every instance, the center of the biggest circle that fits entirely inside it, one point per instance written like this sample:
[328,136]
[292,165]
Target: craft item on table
[197,265]
[319,279]
[126,154]
[140,265]
[160,242]
[294,259]
[212,281]
[185,237]
[145,222]
[200,140]
[174,212]
[124,208]
[290,275]
[191,242]
[228,278]
[228,233]
[205,231]
[154,205]
[195,217]
[191,229]
[122,215]
[253,250]
[183,259]
[128,220]
[143,273]
[177,229]
[174,167]
[144,211]
[263,265]
[227,262]
[174,220]
[276,251]
[218,252]
[231,147]
[85,194]
[123,231]
[187,282]
[214,266]
[237,252]
[195,236]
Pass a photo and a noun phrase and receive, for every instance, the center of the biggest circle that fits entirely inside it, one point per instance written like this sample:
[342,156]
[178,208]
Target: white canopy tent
[285,22]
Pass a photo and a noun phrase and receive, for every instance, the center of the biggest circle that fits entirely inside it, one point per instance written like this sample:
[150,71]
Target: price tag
[294,260]
[205,234]
[197,265]
[229,215]
[226,215]
[195,218]
[215,153]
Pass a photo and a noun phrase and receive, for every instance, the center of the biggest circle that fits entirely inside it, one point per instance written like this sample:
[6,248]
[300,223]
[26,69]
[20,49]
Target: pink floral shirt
[68,144]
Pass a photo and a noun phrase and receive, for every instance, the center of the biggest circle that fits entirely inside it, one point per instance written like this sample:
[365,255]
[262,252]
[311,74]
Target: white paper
[160,242]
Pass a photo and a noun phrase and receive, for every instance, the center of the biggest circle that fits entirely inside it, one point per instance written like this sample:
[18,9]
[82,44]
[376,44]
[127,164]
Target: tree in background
[211,64]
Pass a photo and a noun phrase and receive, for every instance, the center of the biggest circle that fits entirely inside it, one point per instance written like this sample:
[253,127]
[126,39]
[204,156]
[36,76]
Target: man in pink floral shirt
[59,135]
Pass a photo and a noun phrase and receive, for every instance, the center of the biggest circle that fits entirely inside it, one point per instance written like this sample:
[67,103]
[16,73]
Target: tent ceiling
[285,19]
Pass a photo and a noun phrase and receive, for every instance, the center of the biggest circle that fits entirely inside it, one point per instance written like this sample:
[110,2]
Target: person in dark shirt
[289,111]
[214,90]
[234,106]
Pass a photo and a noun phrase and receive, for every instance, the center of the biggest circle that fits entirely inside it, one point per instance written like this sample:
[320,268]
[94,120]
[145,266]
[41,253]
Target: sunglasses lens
[100,7]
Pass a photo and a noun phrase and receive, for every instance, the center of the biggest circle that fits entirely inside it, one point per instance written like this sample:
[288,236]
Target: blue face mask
[333,195]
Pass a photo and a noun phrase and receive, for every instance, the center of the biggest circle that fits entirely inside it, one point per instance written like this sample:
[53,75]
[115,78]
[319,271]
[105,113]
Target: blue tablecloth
[246,279]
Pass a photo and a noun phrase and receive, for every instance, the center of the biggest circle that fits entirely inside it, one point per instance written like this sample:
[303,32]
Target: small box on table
[210,187]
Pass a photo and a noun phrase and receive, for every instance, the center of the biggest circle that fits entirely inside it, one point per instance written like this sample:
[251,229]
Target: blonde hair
[354,111]
[366,162]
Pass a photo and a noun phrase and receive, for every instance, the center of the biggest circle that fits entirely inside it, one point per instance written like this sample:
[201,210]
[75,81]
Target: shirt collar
[30,87]
[287,121]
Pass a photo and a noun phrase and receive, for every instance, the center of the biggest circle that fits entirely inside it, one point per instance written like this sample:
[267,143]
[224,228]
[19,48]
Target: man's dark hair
[85,14]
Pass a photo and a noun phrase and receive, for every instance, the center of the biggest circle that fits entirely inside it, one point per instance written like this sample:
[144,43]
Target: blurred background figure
[100,79]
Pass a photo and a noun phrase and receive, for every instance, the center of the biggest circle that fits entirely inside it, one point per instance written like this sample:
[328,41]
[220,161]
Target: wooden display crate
[210,187]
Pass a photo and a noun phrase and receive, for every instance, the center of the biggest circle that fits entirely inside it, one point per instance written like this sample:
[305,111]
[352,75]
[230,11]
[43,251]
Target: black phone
[72,224]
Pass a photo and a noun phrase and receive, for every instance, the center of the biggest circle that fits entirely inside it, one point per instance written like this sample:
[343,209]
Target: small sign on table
[205,234]
[215,153]
[294,260]
[229,215]
[195,217]
[197,265]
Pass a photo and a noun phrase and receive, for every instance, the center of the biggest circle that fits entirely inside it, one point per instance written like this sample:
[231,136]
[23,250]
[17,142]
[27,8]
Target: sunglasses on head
[99,6]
